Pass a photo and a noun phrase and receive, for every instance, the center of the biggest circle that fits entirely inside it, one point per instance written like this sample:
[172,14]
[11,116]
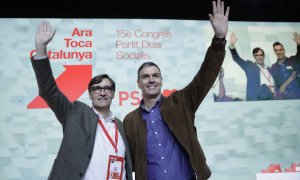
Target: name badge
[115,167]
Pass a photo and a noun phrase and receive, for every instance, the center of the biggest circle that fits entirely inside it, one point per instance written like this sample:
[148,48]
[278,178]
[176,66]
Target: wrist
[41,53]
[231,46]
[41,50]
[40,57]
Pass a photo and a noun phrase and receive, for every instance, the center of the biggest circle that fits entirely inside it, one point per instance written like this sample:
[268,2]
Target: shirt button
[80,174]
[162,157]
[165,171]
[152,121]
[151,110]
[159,144]
[155,133]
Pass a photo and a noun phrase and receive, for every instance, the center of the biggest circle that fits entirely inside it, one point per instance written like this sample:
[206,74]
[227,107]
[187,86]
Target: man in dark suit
[260,82]
[90,147]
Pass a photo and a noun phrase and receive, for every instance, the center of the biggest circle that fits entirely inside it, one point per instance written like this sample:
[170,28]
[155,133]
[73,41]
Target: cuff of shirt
[40,58]
[219,40]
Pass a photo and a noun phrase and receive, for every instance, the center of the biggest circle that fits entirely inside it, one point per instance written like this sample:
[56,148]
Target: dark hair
[277,44]
[146,64]
[255,50]
[99,79]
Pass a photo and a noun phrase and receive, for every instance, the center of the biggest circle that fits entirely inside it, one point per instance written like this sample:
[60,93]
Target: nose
[102,93]
[151,79]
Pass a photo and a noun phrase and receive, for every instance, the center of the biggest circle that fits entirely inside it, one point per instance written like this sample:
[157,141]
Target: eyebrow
[142,75]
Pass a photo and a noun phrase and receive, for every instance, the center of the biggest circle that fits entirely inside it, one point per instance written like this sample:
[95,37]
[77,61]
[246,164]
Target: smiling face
[102,94]
[279,51]
[150,82]
[259,57]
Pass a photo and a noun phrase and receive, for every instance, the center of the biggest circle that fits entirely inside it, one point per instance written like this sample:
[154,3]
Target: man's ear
[113,95]
[90,95]
[138,83]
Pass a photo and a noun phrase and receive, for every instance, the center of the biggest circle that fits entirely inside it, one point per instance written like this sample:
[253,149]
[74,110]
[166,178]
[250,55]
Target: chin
[152,95]
[102,105]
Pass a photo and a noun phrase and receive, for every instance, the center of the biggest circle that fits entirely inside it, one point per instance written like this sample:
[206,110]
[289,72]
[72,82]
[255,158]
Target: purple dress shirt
[166,159]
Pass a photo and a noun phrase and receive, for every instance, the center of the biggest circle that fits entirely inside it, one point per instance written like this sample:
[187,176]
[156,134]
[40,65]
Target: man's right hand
[44,34]
[232,40]
[297,38]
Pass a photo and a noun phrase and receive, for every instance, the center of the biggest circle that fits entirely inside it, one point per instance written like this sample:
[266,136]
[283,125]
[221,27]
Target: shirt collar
[265,67]
[281,61]
[110,118]
[157,103]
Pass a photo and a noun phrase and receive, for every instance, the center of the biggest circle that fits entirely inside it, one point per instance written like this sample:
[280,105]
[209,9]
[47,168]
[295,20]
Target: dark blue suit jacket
[252,71]
[281,72]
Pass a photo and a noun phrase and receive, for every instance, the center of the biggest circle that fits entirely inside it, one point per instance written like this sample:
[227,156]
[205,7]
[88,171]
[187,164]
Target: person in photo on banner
[222,97]
[94,144]
[161,131]
[286,71]
[260,82]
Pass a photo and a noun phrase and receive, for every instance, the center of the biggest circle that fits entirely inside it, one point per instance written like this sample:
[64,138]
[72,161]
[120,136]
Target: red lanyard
[267,77]
[108,136]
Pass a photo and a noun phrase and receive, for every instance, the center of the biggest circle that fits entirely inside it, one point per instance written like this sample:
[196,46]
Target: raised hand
[297,38]
[233,39]
[218,20]
[44,34]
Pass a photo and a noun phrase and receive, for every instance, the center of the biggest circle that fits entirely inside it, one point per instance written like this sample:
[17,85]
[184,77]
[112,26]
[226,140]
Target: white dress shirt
[97,169]
[266,78]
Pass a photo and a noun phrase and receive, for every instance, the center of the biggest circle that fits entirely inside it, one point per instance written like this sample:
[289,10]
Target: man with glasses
[93,144]
[260,83]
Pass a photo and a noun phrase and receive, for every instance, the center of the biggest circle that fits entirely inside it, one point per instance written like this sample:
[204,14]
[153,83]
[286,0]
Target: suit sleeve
[198,88]
[49,91]
[240,61]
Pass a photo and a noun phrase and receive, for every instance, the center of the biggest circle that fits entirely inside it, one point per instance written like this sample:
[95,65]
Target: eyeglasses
[98,89]
[258,54]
